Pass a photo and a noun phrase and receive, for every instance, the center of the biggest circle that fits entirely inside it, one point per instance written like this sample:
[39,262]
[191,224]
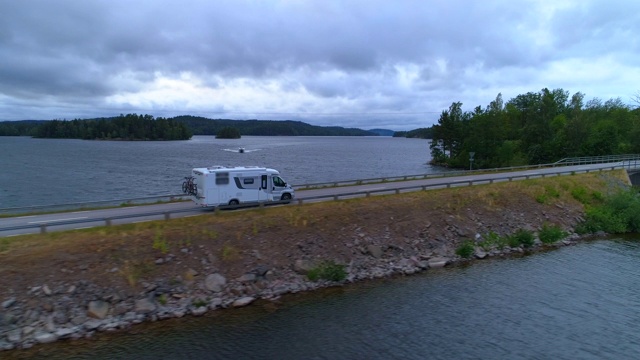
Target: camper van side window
[247,181]
[222,178]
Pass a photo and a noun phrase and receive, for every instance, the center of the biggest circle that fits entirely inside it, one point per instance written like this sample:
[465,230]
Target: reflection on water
[580,302]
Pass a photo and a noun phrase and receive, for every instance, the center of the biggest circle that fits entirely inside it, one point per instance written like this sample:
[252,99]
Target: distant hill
[382,132]
[205,126]
[421,133]
[196,125]
[20,127]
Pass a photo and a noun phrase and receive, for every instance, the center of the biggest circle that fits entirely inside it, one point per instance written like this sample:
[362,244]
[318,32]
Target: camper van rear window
[222,178]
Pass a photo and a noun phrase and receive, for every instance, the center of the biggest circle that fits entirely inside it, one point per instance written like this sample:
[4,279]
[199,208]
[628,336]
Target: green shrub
[521,237]
[551,233]
[619,213]
[601,219]
[328,270]
[466,249]
[491,239]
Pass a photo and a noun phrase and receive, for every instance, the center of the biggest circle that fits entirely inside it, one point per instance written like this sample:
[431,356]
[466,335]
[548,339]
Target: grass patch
[328,270]
[493,240]
[466,249]
[550,234]
[160,242]
[521,237]
[229,252]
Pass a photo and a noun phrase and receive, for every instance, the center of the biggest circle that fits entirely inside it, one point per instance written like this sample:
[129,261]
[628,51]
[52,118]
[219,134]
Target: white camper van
[221,185]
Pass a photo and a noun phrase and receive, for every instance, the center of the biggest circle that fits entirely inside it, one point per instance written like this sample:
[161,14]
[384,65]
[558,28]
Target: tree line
[534,128]
[123,127]
[145,127]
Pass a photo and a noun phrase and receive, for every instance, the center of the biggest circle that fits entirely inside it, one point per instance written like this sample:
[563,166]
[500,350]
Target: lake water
[60,171]
[579,302]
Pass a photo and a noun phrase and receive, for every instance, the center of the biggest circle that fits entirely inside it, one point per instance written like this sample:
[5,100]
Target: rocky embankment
[78,310]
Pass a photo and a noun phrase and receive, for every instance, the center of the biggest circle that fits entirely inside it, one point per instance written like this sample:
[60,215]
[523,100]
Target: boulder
[215,282]
[244,301]
[98,309]
[145,306]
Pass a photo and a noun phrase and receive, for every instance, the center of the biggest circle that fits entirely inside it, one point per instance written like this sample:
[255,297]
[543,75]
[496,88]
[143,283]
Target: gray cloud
[394,64]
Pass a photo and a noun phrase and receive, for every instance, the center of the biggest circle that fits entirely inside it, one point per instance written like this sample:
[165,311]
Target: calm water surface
[580,302]
[60,171]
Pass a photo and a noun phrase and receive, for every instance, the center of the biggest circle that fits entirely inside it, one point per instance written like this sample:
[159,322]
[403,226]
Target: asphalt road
[12,226]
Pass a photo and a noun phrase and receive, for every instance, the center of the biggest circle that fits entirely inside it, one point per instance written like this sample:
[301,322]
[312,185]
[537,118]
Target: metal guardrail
[108,221]
[445,184]
[98,203]
[629,158]
[449,184]
[598,159]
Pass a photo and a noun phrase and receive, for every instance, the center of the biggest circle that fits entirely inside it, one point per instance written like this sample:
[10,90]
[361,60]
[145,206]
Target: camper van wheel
[285,197]
[234,202]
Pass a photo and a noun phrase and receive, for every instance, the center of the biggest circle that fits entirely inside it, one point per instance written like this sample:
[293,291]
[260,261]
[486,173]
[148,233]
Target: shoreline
[122,312]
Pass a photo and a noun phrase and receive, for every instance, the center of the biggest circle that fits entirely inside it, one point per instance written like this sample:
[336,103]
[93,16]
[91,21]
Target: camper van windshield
[277,181]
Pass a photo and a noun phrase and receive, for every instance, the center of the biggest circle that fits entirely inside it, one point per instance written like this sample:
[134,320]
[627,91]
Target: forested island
[123,127]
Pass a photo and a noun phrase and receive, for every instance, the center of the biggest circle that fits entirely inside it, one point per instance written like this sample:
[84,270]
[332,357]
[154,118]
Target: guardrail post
[397,191]
[299,201]
[43,228]
[167,215]
[367,194]
[107,222]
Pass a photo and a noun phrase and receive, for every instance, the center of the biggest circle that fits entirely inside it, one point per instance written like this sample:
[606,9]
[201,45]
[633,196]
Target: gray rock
[244,301]
[28,330]
[215,282]
[8,303]
[44,337]
[437,262]
[92,324]
[302,266]
[375,251]
[46,290]
[145,306]
[64,333]
[199,311]
[215,303]
[14,336]
[98,309]
[480,254]
[247,278]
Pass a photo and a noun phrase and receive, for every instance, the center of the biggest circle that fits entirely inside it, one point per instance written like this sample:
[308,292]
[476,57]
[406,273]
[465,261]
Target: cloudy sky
[361,63]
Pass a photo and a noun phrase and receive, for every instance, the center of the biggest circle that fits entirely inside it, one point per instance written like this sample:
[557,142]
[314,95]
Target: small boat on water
[241,150]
